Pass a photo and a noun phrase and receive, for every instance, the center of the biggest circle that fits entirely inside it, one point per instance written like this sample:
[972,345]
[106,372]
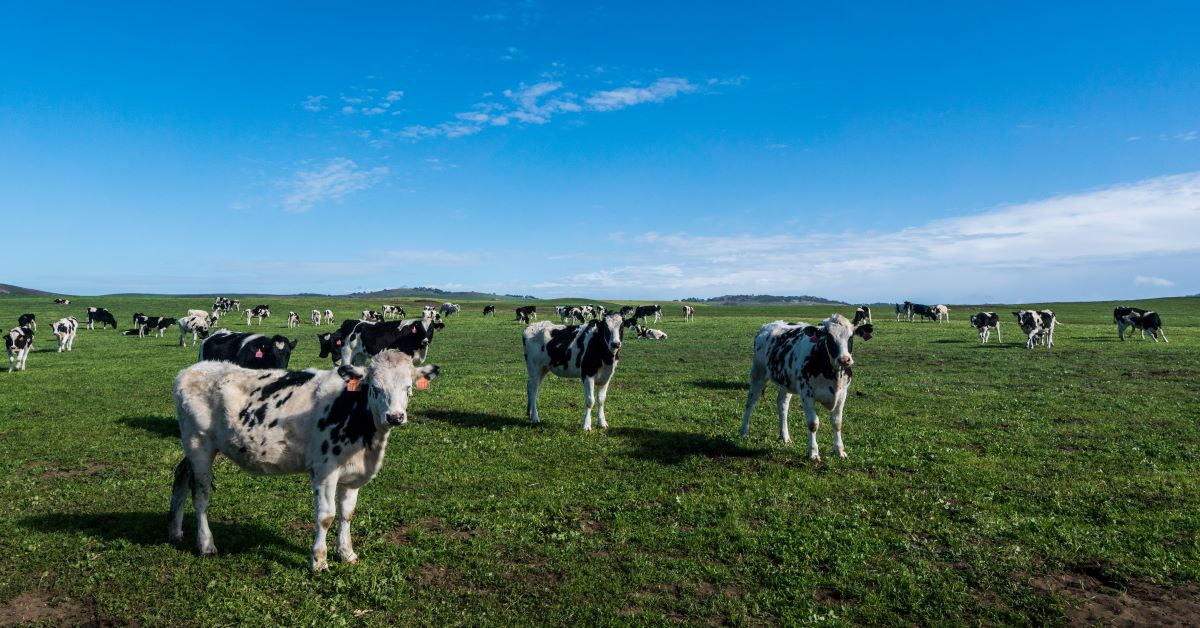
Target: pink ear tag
[258,354]
[423,383]
[414,329]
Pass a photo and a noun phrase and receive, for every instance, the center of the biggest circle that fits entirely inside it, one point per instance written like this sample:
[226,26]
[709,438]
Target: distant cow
[812,361]
[589,352]
[429,312]
[252,351]
[450,309]
[985,322]
[18,342]
[372,316]
[366,339]
[645,311]
[62,301]
[327,318]
[330,344]
[924,311]
[1124,317]
[1030,323]
[941,313]
[332,425]
[646,333]
[27,320]
[1149,322]
[315,317]
[64,330]
[526,313]
[197,326]
[626,311]
[862,315]
[392,310]
[293,319]
[489,310]
[259,311]
[100,315]
[157,324]
[904,310]
[688,313]
[212,317]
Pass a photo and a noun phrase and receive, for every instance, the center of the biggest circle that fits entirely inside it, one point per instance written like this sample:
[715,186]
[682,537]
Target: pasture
[985,484]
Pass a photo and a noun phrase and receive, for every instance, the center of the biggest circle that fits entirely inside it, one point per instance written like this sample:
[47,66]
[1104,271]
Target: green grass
[973,470]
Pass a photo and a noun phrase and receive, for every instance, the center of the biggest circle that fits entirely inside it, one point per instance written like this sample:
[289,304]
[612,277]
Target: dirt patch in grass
[432,525]
[91,468]
[34,607]
[1096,599]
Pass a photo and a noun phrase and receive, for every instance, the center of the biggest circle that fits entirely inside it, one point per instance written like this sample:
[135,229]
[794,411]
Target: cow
[812,361]
[526,313]
[62,301]
[27,320]
[365,339]
[212,317]
[197,326]
[157,324]
[627,310]
[429,312]
[862,315]
[589,352]
[293,319]
[449,309]
[100,315]
[331,343]
[372,316]
[904,310]
[1049,322]
[1124,317]
[941,313]
[259,311]
[1030,323]
[64,330]
[645,311]
[315,317]
[924,311]
[333,425]
[599,311]
[489,310]
[1150,322]
[139,318]
[689,312]
[249,350]
[18,342]
[985,322]
[646,333]
[327,318]
[392,310]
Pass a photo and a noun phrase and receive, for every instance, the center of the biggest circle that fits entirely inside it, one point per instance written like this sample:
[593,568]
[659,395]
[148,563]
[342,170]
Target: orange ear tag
[352,385]
[423,383]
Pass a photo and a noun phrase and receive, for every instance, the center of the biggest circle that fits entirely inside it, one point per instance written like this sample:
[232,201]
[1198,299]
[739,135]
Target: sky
[871,152]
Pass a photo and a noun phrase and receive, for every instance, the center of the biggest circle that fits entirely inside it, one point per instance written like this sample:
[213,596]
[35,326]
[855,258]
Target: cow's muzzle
[846,360]
[397,418]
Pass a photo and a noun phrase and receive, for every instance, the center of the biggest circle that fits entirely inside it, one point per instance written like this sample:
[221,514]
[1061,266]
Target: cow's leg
[835,417]
[810,414]
[201,464]
[998,340]
[536,375]
[184,482]
[324,491]
[1153,337]
[781,406]
[758,380]
[601,395]
[347,498]
[589,399]
[1164,335]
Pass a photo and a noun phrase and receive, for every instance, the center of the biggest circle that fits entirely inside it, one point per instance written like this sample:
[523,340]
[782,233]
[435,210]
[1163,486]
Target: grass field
[985,484]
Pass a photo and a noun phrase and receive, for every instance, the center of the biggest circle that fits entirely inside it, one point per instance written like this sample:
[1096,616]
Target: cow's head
[611,329]
[839,338]
[281,348]
[390,382]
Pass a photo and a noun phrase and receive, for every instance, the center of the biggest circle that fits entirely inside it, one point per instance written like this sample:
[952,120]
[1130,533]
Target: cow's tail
[185,482]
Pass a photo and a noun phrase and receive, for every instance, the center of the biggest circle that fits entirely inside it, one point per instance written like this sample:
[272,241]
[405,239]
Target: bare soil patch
[1096,600]
[33,607]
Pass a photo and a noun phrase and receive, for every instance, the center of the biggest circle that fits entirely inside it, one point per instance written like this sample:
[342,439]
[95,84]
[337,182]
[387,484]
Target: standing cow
[18,342]
[985,322]
[489,310]
[862,315]
[100,315]
[689,312]
[812,361]
[293,319]
[64,330]
[333,425]
[315,317]
[197,326]
[588,352]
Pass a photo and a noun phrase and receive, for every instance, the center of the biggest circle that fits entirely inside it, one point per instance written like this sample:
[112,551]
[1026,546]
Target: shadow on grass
[150,529]
[716,384]
[667,447]
[166,427]
[474,419]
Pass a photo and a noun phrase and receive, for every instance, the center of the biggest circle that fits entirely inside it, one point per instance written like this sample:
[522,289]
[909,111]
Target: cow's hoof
[174,538]
[350,558]
[814,457]
[842,455]
[319,566]
[208,551]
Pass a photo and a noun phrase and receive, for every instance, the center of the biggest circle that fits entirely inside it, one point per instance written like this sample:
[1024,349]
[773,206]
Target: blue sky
[999,152]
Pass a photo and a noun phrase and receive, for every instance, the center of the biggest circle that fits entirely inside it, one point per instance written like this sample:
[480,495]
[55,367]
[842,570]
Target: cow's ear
[865,331]
[348,373]
[292,344]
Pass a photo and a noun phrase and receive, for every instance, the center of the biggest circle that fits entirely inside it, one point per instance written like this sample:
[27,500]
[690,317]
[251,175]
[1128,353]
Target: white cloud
[334,181]
[394,95]
[1158,282]
[658,91]
[313,103]
[1187,136]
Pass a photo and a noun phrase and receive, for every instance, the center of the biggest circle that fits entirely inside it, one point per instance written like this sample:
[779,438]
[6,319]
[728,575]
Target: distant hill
[420,292]
[765,299]
[18,291]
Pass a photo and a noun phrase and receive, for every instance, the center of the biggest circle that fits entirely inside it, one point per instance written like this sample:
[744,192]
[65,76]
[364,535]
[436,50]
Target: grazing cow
[941,313]
[646,333]
[372,316]
[197,326]
[100,315]
[64,329]
[644,311]
[252,351]
[331,345]
[27,320]
[904,310]
[811,361]
[985,322]
[526,313]
[689,312]
[328,317]
[18,342]
[489,310]
[449,309]
[293,319]
[589,352]
[924,311]
[1030,323]
[392,310]
[1124,317]
[157,324]
[212,318]
[333,425]
[62,301]
[862,315]
[364,339]
[1149,322]
[315,317]
[627,310]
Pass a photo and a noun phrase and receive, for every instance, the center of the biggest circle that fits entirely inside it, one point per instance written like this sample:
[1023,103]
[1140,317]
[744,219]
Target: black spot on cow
[289,380]
[349,420]
[324,447]
[597,354]
[559,347]
[337,450]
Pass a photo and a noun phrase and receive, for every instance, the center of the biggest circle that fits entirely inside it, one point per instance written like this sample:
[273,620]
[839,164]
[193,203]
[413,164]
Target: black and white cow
[489,310]
[1049,322]
[62,301]
[27,320]
[904,310]
[812,361]
[589,352]
[862,315]
[365,339]
[327,317]
[1124,317]
[526,313]
[333,425]
[157,324]
[315,317]
[372,316]
[212,317]
[197,326]
[259,311]
[924,311]
[645,333]
[331,343]
[393,310]
[941,313]
[645,311]
[1032,323]
[429,312]
[1149,322]
[293,319]
[689,313]
[627,311]
[252,351]
[64,330]
[100,315]
[985,322]
[450,309]
[18,342]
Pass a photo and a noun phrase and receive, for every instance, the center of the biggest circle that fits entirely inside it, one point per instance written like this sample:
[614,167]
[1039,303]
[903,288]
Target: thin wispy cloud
[1158,282]
[658,91]
[313,103]
[334,181]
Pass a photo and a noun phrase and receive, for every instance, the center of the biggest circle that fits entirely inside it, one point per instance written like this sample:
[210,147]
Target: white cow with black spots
[18,342]
[588,352]
[332,425]
[64,329]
